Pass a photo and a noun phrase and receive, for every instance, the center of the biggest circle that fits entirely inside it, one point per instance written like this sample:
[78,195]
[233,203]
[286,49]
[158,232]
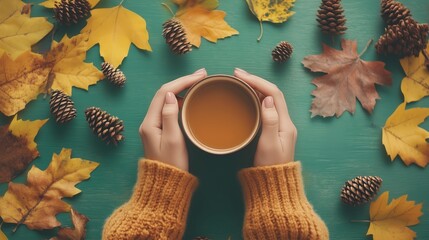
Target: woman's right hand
[277,141]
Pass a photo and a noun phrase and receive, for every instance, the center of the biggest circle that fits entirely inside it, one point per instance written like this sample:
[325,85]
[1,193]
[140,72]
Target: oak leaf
[24,78]
[17,147]
[403,137]
[391,221]
[78,232]
[271,11]
[348,77]
[37,202]
[114,29]
[415,84]
[200,19]
[19,31]
[51,3]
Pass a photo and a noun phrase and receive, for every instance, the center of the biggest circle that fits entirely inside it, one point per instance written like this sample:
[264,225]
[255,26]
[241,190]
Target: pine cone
[115,75]
[331,18]
[201,238]
[404,39]
[282,52]
[393,12]
[105,126]
[175,36]
[71,11]
[360,189]
[62,107]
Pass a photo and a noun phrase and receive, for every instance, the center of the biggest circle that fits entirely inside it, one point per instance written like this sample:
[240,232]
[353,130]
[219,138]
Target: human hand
[277,141]
[160,132]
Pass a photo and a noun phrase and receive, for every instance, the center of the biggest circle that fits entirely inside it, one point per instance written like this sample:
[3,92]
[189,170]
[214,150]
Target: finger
[153,115]
[268,89]
[170,114]
[270,120]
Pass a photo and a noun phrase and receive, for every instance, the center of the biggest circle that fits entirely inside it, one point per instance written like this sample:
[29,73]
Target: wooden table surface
[331,150]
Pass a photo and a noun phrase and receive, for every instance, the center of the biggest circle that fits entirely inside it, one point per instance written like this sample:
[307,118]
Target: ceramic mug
[221,114]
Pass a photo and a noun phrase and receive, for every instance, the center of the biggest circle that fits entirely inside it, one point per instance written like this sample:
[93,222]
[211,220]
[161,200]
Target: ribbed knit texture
[276,205]
[158,207]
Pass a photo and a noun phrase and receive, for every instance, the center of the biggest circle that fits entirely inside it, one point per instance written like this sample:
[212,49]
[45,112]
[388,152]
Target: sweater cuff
[164,189]
[273,184]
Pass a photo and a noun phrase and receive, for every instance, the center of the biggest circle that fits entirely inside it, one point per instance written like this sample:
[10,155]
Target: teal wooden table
[331,150]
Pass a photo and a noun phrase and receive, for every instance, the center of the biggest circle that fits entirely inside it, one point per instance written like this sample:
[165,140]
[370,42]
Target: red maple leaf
[348,77]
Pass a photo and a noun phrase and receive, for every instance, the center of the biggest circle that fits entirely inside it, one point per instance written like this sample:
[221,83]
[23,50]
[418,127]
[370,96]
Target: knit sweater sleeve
[276,205]
[158,207]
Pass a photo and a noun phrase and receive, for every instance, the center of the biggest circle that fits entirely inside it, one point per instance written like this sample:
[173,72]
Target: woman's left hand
[160,132]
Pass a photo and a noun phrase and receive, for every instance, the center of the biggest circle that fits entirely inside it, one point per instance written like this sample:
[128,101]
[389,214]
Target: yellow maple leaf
[69,66]
[271,11]
[17,147]
[403,137]
[19,31]
[415,84]
[391,221]
[114,29]
[24,78]
[200,19]
[37,202]
[51,3]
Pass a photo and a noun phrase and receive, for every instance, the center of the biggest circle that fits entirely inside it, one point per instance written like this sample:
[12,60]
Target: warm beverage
[221,113]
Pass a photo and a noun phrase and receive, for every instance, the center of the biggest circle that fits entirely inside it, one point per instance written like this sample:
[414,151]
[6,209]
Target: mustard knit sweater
[276,205]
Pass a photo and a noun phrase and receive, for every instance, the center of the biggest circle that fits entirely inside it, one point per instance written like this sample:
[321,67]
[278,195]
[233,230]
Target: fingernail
[170,98]
[269,102]
[240,70]
[199,71]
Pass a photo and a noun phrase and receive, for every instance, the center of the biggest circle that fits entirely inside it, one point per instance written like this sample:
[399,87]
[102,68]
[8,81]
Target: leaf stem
[168,7]
[361,221]
[366,47]
[120,4]
[261,31]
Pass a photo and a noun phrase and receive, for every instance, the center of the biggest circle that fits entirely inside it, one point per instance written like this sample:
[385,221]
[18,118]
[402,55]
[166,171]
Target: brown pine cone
[115,75]
[404,39]
[108,128]
[62,107]
[393,12]
[331,18]
[282,52]
[71,11]
[175,36]
[360,190]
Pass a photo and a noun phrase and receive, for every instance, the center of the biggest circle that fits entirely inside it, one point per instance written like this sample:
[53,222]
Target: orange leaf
[78,232]
[18,147]
[199,19]
[391,221]
[37,202]
[348,77]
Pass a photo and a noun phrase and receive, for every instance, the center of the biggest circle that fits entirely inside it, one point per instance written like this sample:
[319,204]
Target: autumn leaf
[37,202]
[78,232]
[271,11]
[348,77]
[115,29]
[51,3]
[415,84]
[69,67]
[200,19]
[18,148]
[19,31]
[24,78]
[391,221]
[403,137]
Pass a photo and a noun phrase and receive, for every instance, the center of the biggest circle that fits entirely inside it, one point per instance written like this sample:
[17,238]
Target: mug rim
[250,91]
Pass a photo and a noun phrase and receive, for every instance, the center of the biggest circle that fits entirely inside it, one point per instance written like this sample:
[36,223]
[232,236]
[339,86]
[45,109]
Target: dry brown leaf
[78,231]
[37,202]
[24,78]
[17,147]
[348,77]
[200,19]
[391,221]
